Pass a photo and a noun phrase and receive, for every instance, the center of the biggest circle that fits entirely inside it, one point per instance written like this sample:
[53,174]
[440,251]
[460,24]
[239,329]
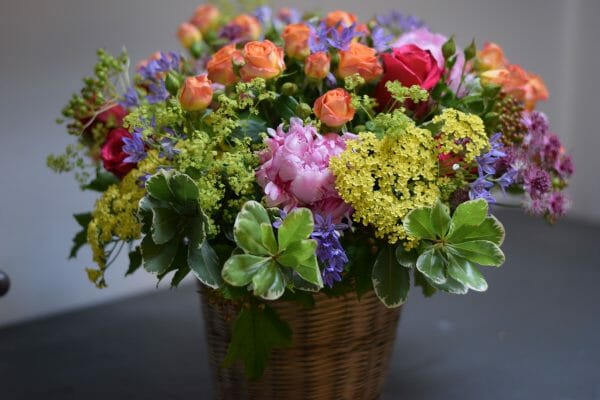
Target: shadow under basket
[341,350]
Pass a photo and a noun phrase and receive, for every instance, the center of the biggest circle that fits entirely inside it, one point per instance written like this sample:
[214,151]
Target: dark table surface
[534,335]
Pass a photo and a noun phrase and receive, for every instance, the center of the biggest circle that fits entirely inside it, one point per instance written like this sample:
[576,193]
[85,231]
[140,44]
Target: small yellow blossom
[384,179]
[462,134]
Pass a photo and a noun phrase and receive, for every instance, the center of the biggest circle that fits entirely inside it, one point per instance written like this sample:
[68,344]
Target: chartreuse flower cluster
[386,178]
[287,154]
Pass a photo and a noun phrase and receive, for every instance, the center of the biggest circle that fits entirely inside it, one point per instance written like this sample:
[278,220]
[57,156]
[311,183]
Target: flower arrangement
[288,154]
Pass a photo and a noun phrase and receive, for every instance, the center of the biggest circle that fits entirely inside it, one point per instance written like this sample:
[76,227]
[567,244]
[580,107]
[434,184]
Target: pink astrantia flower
[427,40]
[294,169]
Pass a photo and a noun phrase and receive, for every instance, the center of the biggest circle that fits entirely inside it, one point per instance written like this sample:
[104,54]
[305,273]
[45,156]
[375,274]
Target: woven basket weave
[341,351]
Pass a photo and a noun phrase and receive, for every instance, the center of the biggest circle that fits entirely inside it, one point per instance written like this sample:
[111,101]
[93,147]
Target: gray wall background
[46,46]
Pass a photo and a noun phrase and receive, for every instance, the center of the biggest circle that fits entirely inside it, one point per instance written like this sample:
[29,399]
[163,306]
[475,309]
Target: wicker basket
[341,350]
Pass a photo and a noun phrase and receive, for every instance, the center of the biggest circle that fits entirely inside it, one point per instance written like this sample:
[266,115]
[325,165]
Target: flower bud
[470,51]
[334,108]
[206,17]
[295,38]
[289,89]
[188,34]
[317,65]
[449,48]
[196,94]
[172,83]
[303,110]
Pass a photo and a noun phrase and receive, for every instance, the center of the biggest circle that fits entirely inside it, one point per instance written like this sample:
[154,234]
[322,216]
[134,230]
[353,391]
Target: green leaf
[83,219]
[205,265]
[451,286]
[390,280]
[286,106]
[296,226]
[196,229]
[297,252]
[269,282]
[426,287]
[102,181]
[240,268]
[158,257]
[165,224]
[158,187]
[184,189]
[440,218]
[418,223]
[360,267]
[431,264]
[309,271]
[80,238]
[247,230]
[251,126]
[179,274]
[135,260]
[471,213]
[466,273]
[478,251]
[301,284]
[405,258]
[268,238]
[490,229]
[256,332]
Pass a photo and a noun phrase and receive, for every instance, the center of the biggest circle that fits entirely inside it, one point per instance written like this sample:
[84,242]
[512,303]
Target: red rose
[410,65]
[112,153]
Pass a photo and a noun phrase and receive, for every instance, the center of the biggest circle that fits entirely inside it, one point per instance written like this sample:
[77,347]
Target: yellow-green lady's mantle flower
[386,178]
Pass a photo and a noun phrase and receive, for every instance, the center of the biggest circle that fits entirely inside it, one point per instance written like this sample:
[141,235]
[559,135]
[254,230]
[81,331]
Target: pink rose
[294,169]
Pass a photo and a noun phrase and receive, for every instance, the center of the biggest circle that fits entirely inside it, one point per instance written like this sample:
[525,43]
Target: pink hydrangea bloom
[294,169]
[427,40]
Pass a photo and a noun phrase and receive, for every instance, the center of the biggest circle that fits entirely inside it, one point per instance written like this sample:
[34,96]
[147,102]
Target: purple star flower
[486,164]
[167,148]
[318,39]
[398,21]
[480,189]
[507,179]
[264,14]
[330,252]
[167,62]
[157,92]
[381,40]
[135,148]
[130,98]
[341,39]
[233,33]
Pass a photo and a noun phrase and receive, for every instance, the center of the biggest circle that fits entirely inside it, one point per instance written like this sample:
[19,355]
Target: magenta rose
[112,154]
[433,42]
[410,65]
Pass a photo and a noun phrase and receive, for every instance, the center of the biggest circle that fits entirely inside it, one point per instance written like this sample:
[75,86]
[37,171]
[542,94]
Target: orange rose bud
[262,60]
[206,17]
[343,18]
[249,26]
[359,59]
[196,94]
[317,65]
[220,66]
[188,34]
[295,37]
[334,108]
[491,57]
